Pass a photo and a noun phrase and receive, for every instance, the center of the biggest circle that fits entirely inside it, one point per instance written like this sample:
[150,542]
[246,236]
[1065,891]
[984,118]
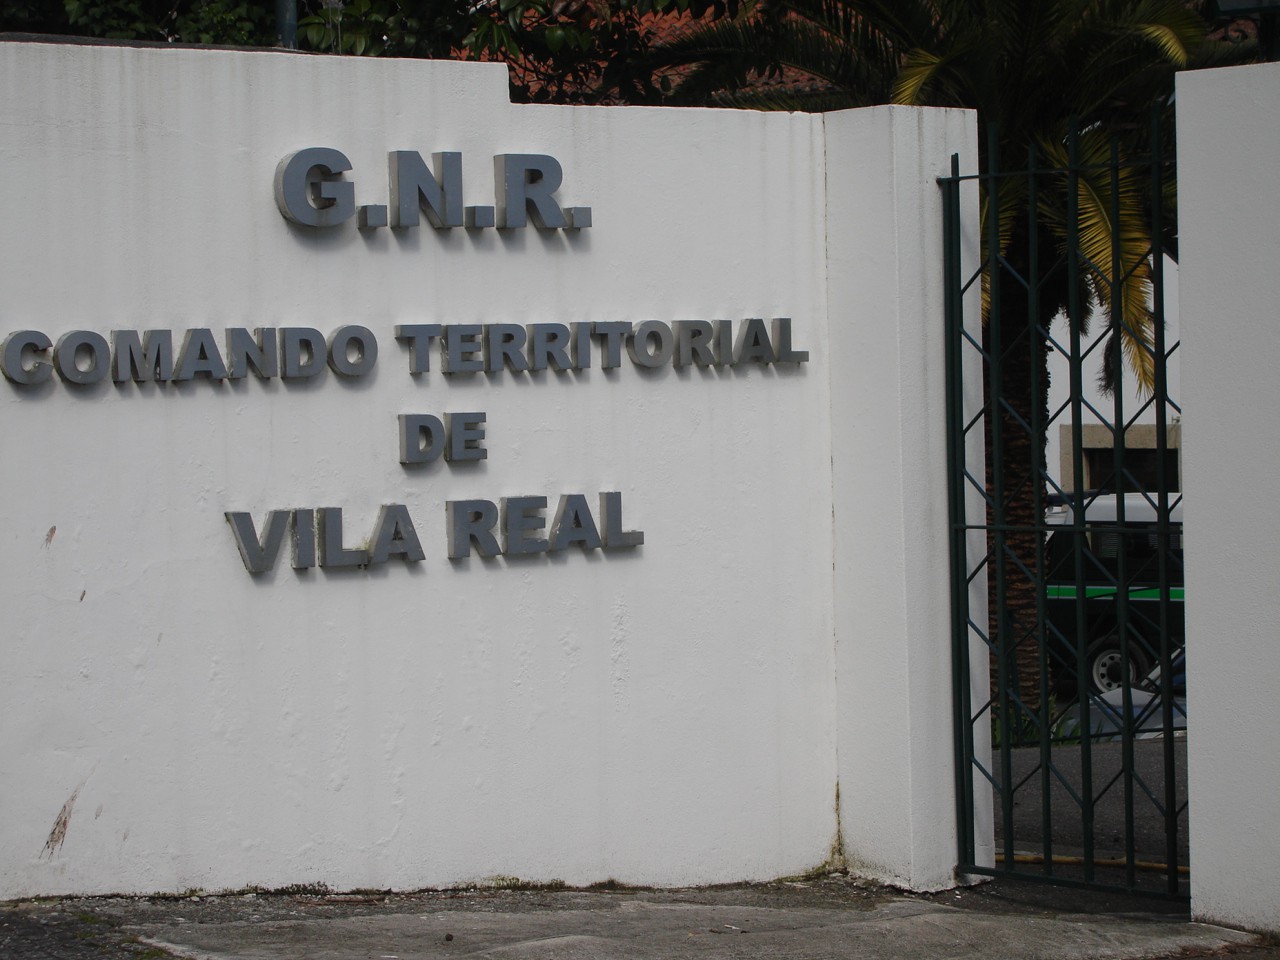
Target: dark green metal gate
[1067,569]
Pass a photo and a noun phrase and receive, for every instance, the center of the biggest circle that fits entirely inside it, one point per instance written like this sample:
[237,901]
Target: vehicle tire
[1105,667]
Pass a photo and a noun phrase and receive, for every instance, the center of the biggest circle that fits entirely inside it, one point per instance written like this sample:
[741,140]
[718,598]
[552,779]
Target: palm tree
[1047,77]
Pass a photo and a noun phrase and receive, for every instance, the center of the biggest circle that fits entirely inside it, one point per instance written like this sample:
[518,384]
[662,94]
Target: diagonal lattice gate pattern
[1066,546]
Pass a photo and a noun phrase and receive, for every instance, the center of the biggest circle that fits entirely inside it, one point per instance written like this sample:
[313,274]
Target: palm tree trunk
[1018,391]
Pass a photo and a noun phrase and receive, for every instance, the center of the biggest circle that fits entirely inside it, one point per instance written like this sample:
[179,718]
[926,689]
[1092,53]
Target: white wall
[666,715]
[1229,222]
[889,452]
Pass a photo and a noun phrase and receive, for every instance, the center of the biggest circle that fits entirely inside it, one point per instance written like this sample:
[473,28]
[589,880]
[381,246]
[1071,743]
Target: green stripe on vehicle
[1092,593]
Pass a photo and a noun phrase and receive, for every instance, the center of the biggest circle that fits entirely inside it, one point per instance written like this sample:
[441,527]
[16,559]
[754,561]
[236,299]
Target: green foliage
[236,22]
[1063,724]
[33,16]
[376,28]
[583,51]
[406,28]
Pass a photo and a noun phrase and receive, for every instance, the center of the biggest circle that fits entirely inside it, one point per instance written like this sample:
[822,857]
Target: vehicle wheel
[1106,669]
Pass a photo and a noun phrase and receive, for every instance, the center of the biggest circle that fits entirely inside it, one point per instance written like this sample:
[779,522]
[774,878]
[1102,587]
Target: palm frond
[720,57]
[1115,247]
[1170,43]
[919,69]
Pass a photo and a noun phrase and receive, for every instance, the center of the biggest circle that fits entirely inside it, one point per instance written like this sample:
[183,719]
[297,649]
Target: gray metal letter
[549,346]
[394,536]
[581,346]
[66,355]
[304,352]
[471,521]
[782,343]
[371,216]
[614,536]
[693,343]
[199,354]
[753,343]
[13,359]
[613,335]
[332,200]
[638,345]
[521,516]
[341,343]
[502,345]
[418,337]
[465,437]
[413,188]
[463,348]
[150,359]
[258,557]
[332,552]
[724,343]
[421,438]
[525,183]
[259,350]
[574,524]
[304,539]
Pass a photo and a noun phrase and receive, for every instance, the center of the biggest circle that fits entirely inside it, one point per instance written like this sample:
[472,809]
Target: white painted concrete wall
[889,449]
[672,715]
[1229,222]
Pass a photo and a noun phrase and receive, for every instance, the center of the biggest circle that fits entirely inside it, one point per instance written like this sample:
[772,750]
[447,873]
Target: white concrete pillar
[1229,227]
[892,600]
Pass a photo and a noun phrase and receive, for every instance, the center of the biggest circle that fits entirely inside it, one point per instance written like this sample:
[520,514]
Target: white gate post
[1229,296]
[892,599]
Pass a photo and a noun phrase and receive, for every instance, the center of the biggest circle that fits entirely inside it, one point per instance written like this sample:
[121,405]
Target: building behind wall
[1098,409]
[1097,443]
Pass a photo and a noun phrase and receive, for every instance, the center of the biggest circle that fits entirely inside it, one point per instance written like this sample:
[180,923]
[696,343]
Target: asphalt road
[1066,817]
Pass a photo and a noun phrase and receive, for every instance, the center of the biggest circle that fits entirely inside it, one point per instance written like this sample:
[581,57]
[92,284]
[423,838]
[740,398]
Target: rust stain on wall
[59,832]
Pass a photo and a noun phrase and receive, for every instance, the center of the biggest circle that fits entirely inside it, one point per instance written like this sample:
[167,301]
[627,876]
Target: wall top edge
[489,73]
[1241,73]
[903,109]
[484,80]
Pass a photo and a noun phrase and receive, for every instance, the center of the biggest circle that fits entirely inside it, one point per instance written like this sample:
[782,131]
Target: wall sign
[311,191]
